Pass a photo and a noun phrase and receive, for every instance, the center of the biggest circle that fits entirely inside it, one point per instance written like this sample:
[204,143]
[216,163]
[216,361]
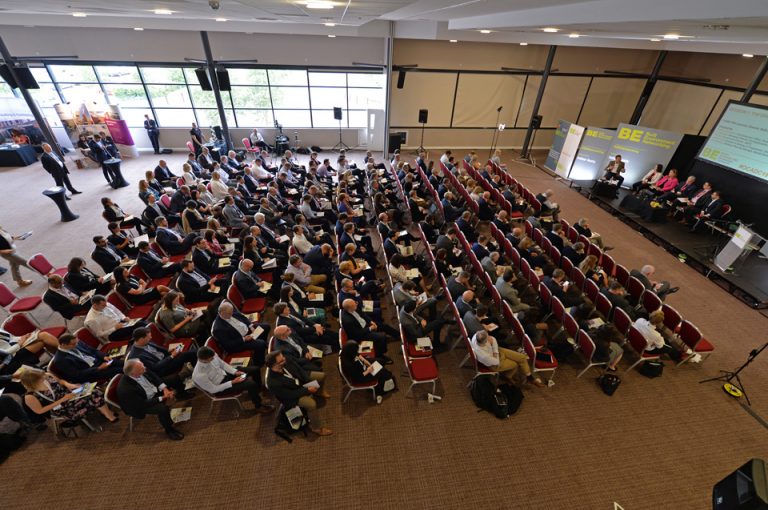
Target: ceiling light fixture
[319,4]
[672,37]
[163,12]
[655,40]
[79,15]
[523,44]
[550,30]
[329,24]
[573,35]
[747,55]
[485,31]
[331,36]
[221,19]
[138,29]
[453,40]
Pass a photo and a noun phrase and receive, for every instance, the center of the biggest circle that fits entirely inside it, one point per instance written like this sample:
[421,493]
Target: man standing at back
[55,166]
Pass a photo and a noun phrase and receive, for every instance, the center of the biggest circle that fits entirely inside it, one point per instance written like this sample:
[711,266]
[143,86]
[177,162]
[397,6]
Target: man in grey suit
[509,293]
[414,327]
[234,216]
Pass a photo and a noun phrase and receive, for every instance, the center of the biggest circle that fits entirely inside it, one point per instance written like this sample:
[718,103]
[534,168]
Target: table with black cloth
[643,209]
[21,155]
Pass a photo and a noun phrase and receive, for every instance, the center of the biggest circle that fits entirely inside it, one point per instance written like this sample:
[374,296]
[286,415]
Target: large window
[296,98]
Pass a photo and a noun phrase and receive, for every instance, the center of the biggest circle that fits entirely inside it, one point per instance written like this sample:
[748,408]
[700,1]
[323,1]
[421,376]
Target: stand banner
[17,124]
[91,119]
[641,148]
[589,159]
[568,152]
[557,145]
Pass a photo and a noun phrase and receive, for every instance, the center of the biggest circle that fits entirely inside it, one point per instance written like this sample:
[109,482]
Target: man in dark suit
[359,327]
[319,259]
[415,327]
[712,210]
[152,132]
[158,359]
[286,380]
[616,295]
[249,284]
[141,392]
[77,362]
[234,332]
[156,210]
[459,284]
[103,153]
[179,199]
[556,237]
[575,253]
[205,159]
[55,166]
[208,262]
[197,286]
[486,210]
[62,299]
[106,255]
[171,241]
[164,174]
[153,264]
[305,330]
[293,346]
[661,289]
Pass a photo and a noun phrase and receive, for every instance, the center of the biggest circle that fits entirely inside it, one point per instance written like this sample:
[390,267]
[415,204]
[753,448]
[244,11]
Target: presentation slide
[739,141]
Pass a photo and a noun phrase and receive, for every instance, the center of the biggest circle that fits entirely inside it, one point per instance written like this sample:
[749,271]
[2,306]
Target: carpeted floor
[658,443]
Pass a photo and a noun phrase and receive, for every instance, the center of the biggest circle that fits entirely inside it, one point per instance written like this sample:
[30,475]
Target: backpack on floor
[652,369]
[488,397]
[609,383]
[514,397]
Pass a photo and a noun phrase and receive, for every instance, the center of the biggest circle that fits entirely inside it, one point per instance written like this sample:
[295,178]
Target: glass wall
[296,98]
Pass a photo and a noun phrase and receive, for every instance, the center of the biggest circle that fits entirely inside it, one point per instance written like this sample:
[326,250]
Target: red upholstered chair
[110,395]
[566,265]
[621,274]
[635,289]
[578,278]
[221,353]
[571,326]
[20,324]
[672,317]
[538,236]
[558,309]
[132,312]
[651,302]
[355,386]
[525,267]
[603,305]
[539,365]
[638,343]
[463,336]
[573,235]
[587,349]
[692,337]
[608,264]
[622,321]
[12,303]
[421,371]
[250,148]
[39,263]
[528,228]
[533,278]
[591,290]
[246,306]
[191,147]
[546,298]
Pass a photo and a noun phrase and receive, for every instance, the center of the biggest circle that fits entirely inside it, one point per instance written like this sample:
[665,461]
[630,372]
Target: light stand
[421,144]
[729,376]
[495,131]
[341,145]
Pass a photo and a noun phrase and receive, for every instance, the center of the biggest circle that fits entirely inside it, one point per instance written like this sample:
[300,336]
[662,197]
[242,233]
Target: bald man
[55,166]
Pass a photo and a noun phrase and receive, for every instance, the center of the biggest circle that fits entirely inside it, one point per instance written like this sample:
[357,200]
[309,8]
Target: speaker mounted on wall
[202,78]
[24,74]
[401,79]
[337,113]
[6,74]
[423,116]
[222,76]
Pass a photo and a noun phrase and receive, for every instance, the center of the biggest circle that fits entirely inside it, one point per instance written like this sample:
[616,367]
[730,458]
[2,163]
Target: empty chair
[692,337]
[20,324]
[245,306]
[672,317]
[39,263]
[587,349]
[12,303]
[421,371]
[650,301]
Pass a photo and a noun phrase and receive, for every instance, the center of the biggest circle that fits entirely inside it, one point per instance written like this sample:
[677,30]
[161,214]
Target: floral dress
[72,410]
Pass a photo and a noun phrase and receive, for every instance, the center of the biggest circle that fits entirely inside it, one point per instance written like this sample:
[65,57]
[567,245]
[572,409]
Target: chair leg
[346,397]
[634,364]
[130,424]
[434,385]
[584,371]
[464,361]
[409,389]
[373,394]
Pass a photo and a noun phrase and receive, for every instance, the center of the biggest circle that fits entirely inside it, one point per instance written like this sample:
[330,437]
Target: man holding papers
[63,299]
[358,370]
[250,285]
[415,327]
[198,286]
[153,264]
[295,348]
[293,386]
[158,359]
[235,332]
[359,327]
[77,362]
[303,329]
[106,322]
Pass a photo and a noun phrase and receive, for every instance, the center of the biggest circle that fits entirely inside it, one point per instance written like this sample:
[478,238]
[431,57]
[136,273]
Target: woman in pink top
[666,183]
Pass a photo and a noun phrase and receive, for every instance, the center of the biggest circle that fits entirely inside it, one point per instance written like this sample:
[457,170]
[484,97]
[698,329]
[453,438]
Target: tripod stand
[495,132]
[729,376]
[341,145]
[421,144]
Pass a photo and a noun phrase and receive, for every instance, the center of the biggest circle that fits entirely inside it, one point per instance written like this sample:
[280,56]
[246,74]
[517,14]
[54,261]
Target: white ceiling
[727,26]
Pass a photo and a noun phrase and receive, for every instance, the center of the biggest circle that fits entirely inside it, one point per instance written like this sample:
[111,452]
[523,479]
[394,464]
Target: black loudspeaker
[25,77]
[218,133]
[223,78]
[396,140]
[401,79]
[536,121]
[423,115]
[744,489]
[337,113]
[202,77]
[6,74]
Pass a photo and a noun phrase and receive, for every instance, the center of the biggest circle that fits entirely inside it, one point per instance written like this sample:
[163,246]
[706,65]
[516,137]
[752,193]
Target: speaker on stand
[341,145]
[536,124]
[423,119]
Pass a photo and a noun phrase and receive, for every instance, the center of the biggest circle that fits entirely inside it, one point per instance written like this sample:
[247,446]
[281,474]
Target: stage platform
[749,279]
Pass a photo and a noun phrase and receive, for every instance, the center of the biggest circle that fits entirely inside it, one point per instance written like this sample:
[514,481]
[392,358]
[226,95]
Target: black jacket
[133,399]
[286,389]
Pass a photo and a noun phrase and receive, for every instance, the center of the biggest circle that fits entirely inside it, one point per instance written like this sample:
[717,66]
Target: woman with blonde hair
[593,272]
[189,177]
[219,188]
[153,183]
[48,394]
[145,190]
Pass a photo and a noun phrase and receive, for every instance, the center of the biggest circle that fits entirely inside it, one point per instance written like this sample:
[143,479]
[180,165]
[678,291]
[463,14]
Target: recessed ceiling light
[138,29]
[79,14]
[331,36]
[165,12]
[573,35]
[748,55]
[485,31]
[672,37]
[523,44]
[655,40]
[550,30]
[453,40]
[221,19]
[329,24]
[319,4]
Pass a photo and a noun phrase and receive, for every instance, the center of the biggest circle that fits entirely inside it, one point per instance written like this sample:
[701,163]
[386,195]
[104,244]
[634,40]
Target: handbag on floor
[652,369]
[609,383]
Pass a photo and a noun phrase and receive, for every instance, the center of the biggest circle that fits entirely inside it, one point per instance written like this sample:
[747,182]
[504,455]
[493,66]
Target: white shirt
[301,244]
[219,189]
[650,333]
[397,274]
[259,172]
[487,354]
[239,326]
[209,376]
[102,324]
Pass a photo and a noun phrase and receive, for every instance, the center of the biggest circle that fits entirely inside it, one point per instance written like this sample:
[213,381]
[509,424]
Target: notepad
[129,217]
[175,346]
[492,326]
[139,239]
[367,306]
[224,262]
[595,323]
[412,273]
[265,286]
[257,332]
[254,317]
[316,353]
[84,390]
[358,237]
[117,352]
[269,264]
[362,264]
[127,263]
[312,384]
[180,414]
[366,346]
[214,289]
[239,362]
[233,240]
[376,367]
[88,295]
[283,239]
[107,277]
[423,344]
[405,251]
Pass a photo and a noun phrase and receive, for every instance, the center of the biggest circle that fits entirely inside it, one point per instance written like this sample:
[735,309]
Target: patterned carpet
[657,443]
